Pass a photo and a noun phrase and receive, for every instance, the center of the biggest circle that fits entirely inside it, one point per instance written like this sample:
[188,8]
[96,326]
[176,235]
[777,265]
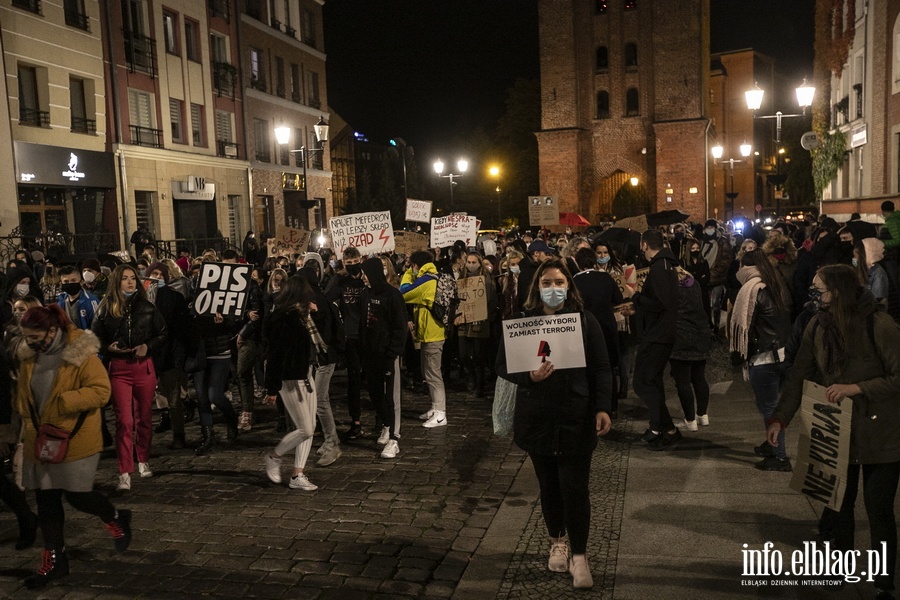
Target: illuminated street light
[754,97]
[634,181]
[283,136]
[462,165]
[717,152]
[495,173]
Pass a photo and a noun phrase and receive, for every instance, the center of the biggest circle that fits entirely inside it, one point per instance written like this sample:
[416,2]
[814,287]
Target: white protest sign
[223,289]
[418,210]
[530,341]
[370,233]
[823,454]
[446,230]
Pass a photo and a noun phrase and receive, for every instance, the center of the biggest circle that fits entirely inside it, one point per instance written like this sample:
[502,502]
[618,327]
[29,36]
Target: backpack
[446,299]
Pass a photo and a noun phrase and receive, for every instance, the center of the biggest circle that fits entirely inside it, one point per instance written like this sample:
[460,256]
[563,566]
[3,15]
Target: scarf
[744,305]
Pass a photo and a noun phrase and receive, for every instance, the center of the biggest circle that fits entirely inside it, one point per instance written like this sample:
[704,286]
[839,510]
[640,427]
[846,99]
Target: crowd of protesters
[790,302]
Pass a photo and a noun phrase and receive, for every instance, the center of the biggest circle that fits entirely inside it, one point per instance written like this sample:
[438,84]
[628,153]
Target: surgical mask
[472,269]
[128,294]
[88,276]
[709,231]
[354,270]
[160,283]
[332,264]
[515,270]
[602,260]
[855,261]
[22,289]
[553,296]
[72,289]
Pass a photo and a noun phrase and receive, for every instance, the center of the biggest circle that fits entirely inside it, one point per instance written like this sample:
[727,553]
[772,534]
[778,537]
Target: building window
[309,28]
[631,57]
[78,108]
[631,4]
[296,95]
[30,112]
[314,90]
[601,6]
[192,40]
[219,48]
[169,32]
[257,74]
[602,59]
[197,125]
[29,5]
[279,77]
[140,114]
[632,103]
[177,120]
[219,8]
[75,15]
[288,21]
[603,104]
[261,140]
[225,145]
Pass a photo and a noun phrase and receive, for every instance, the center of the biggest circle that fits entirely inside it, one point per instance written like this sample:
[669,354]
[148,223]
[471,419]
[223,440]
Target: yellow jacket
[81,384]
[420,292]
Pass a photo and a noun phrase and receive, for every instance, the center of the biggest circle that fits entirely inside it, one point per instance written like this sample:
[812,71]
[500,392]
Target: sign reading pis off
[223,289]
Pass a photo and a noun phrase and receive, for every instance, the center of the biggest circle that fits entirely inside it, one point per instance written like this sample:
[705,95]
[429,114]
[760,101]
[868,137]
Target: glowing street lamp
[283,137]
[462,165]
[754,98]
[495,173]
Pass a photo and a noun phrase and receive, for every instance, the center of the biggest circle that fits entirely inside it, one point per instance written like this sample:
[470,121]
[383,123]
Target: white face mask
[88,276]
[385,272]
[22,289]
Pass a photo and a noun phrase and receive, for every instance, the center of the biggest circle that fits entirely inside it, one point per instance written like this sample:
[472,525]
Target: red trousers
[133,388]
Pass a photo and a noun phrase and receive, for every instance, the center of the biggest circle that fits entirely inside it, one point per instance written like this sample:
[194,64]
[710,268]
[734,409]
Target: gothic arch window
[603,104]
[632,103]
[602,59]
[631,56]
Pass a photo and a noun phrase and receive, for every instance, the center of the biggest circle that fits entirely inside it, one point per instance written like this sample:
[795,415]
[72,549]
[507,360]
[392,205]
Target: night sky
[427,69]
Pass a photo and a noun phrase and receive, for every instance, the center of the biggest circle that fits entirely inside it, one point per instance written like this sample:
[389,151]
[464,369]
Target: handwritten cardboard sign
[223,289]
[447,230]
[627,278]
[287,241]
[418,211]
[472,299]
[543,210]
[370,233]
[407,242]
[530,341]
[640,276]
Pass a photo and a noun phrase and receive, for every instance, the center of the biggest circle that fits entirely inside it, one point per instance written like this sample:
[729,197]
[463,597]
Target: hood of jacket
[310,275]
[81,344]
[374,272]
[316,258]
[14,276]
[874,250]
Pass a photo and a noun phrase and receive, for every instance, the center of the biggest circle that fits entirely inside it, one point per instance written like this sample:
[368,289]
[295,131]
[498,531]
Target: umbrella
[625,242]
[573,219]
[667,217]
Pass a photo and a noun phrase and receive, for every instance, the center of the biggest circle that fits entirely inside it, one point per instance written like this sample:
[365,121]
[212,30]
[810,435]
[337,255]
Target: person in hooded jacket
[853,350]
[474,337]
[382,336]
[822,249]
[689,353]
[716,250]
[249,342]
[20,282]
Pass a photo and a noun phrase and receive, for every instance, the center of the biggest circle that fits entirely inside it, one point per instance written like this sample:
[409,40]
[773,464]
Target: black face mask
[40,346]
[354,270]
[695,253]
[72,289]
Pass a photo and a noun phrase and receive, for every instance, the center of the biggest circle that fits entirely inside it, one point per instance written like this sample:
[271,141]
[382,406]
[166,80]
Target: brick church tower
[624,106]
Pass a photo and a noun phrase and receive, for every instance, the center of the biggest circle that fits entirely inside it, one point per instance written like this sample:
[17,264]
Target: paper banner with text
[223,289]
[543,210]
[370,233]
[472,299]
[407,242]
[446,230]
[418,211]
[288,241]
[530,341]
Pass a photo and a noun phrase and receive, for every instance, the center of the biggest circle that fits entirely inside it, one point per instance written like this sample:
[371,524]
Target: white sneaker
[300,482]
[144,469]
[426,415]
[325,447]
[438,419]
[687,425]
[559,557]
[385,436]
[703,420]
[124,482]
[334,453]
[273,468]
[391,450]
[581,572]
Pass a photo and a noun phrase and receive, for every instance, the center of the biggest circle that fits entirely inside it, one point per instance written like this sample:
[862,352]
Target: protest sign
[530,341]
[407,242]
[823,454]
[446,230]
[287,241]
[638,223]
[223,289]
[418,210]
[628,277]
[370,233]
[543,210]
[640,276]
[472,299]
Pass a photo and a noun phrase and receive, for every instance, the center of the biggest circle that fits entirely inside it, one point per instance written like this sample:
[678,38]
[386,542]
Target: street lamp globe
[494,171]
[634,181]
[718,151]
[745,149]
[463,165]
[805,94]
[438,166]
[283,135]
[754,98]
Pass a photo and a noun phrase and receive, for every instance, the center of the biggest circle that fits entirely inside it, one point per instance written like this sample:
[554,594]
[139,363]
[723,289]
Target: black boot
[190,408]
[28,526]
[177,441]
[54,565]
[206,441]
[232,429]
[165,423]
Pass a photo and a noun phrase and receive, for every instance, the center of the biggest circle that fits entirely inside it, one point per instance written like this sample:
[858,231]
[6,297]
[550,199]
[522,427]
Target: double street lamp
[754,99]
[462,165]
[718,151]
[283,136]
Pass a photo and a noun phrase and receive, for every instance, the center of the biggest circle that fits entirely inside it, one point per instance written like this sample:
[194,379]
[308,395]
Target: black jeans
[565,497]
[879,489]
[52,516]
[690,381]
[14,498]
[649,367]
[380,382]
[354,379]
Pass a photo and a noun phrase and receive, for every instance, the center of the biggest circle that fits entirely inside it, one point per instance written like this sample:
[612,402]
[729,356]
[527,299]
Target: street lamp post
[495,173]
[283,136]
[462,165]
[754,99]
[718,151]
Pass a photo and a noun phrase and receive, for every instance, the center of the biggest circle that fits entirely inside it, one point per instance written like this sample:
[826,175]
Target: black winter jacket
[142,323]
[382,329]
[657,302]
[289,349]
[694,341]
[174,309]
[327,318]
[217,337]
[771,328]
[558,416]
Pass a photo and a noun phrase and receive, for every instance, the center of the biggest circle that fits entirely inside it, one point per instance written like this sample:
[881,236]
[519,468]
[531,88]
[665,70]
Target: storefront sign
[180,191]
[69,167]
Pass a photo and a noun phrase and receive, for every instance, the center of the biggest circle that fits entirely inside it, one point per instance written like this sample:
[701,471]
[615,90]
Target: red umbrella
[573,219]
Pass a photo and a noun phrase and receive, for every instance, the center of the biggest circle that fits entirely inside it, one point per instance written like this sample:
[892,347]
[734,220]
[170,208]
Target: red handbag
[52,443]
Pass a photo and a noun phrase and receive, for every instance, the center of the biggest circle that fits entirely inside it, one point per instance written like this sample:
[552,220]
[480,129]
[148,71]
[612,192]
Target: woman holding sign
[559,414]
[474,335]
[853,350]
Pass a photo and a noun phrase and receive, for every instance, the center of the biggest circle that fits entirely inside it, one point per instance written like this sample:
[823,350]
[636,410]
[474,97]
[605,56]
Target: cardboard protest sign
[628,277]
[472,299]
[446,230]
[640,276]
[543,210]
[287,241]
[223,289]
[823,454]
[418,210]
[530,341]
[370,233]
[407,242]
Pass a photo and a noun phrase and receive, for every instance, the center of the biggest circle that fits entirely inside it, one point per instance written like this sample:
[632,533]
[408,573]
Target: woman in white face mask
[558,415]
